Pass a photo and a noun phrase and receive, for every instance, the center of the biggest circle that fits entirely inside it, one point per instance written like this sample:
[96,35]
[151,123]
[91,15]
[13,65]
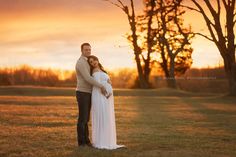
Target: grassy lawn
[41,122]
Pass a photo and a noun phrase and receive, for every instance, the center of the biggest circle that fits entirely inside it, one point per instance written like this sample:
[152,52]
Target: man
[83,94]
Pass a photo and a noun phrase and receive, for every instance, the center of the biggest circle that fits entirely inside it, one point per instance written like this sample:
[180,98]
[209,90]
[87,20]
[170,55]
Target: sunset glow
[44,34]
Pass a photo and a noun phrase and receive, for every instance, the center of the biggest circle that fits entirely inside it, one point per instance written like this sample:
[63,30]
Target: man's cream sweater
[84,80]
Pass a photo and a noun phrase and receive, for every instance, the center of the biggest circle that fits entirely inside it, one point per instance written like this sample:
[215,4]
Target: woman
[102,110]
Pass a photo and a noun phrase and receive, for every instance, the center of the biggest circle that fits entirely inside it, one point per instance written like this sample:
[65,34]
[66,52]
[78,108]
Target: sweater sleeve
[86,75]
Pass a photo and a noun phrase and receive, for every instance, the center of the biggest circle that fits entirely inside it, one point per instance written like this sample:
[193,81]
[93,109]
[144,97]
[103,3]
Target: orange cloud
[49,34]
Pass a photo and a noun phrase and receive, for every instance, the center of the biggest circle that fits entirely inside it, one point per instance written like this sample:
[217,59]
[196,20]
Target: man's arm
[86,75]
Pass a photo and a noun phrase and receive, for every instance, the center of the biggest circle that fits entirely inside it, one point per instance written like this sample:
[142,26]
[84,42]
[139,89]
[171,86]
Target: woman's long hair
[99,64]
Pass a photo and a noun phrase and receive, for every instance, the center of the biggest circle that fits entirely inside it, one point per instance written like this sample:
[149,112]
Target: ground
[41,122]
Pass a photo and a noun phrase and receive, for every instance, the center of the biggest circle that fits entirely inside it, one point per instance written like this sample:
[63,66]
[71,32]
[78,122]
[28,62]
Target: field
[41,122]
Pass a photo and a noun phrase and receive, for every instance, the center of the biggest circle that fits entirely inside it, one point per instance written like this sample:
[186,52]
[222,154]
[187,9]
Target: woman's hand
[109,81]
[107,96]
[104,91]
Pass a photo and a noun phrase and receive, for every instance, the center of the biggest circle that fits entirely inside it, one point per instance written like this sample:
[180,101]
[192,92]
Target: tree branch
[121,6]
[218,6]
[121,3]
[234,17]
[212,10]
[233,8]
[233,4]
[132,6]
[190,8]
[200,34]
[208,21]
[225,4]
[216,17]
[185,35]
[143,57]
[115,4]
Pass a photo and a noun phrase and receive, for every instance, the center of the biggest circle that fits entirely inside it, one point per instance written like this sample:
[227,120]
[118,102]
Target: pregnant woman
[102,110]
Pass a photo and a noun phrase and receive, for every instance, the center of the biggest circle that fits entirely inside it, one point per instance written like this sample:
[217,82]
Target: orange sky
[48,34]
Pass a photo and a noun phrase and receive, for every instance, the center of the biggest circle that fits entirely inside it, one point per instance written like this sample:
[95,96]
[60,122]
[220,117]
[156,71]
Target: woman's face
[93,63]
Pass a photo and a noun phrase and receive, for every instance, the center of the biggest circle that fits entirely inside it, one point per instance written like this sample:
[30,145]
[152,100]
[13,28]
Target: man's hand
[104,91]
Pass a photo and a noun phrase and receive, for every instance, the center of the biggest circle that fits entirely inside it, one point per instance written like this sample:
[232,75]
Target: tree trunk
[143,83]
[171,82]
[147,71]
[231,74]
[150,38]
[225,42]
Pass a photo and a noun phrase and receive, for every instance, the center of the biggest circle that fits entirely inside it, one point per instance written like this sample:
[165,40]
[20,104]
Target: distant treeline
[198,80]
[26,75]
[123,78]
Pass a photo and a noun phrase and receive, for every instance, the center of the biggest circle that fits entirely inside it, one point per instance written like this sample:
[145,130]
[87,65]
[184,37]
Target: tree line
[122,78]
[26,75]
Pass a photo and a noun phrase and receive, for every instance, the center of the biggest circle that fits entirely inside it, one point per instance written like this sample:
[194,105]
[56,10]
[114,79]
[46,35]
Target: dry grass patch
[197,130]
[184,111]
[220,107]
[149,127]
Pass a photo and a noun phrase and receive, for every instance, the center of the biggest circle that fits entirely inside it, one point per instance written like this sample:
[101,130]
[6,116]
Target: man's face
[86,51]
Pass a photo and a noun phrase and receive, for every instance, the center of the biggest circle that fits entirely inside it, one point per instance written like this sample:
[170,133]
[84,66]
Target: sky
[48,34]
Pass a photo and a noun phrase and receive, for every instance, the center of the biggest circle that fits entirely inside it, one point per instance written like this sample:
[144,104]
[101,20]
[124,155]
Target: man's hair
[84,44]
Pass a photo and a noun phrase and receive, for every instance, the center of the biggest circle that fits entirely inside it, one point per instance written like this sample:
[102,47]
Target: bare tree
[148,32]
[173,40]
[131,16]
[170,33]
[222,34]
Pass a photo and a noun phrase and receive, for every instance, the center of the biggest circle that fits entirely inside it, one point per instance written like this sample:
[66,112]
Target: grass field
[41,122]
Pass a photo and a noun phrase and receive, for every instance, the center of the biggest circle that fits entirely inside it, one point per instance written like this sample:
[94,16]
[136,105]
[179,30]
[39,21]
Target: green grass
[171,124]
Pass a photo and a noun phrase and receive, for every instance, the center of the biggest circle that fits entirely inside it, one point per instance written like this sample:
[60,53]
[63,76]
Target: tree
[222,34]
[147,35]
[173,40]
[176,38]
[131,16]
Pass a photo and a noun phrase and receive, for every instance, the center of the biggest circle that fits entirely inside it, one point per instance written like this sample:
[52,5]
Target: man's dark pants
[84,106]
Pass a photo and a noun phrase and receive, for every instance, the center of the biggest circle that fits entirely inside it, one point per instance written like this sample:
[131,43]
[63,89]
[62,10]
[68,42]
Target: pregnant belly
[108,88]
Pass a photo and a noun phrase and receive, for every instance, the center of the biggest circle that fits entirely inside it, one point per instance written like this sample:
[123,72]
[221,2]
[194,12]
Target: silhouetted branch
[225,4]
[218,6]
[190,8]
[120,5]
[204,36]
[209,5]
[115,4]
[208,21]
[234,17]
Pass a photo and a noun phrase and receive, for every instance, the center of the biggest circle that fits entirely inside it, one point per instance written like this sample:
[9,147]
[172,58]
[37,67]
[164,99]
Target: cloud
[41,33]
[75,6]
[49,33]
[32,5]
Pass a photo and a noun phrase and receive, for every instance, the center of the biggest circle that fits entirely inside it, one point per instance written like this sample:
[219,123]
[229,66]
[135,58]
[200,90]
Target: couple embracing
[94,92]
